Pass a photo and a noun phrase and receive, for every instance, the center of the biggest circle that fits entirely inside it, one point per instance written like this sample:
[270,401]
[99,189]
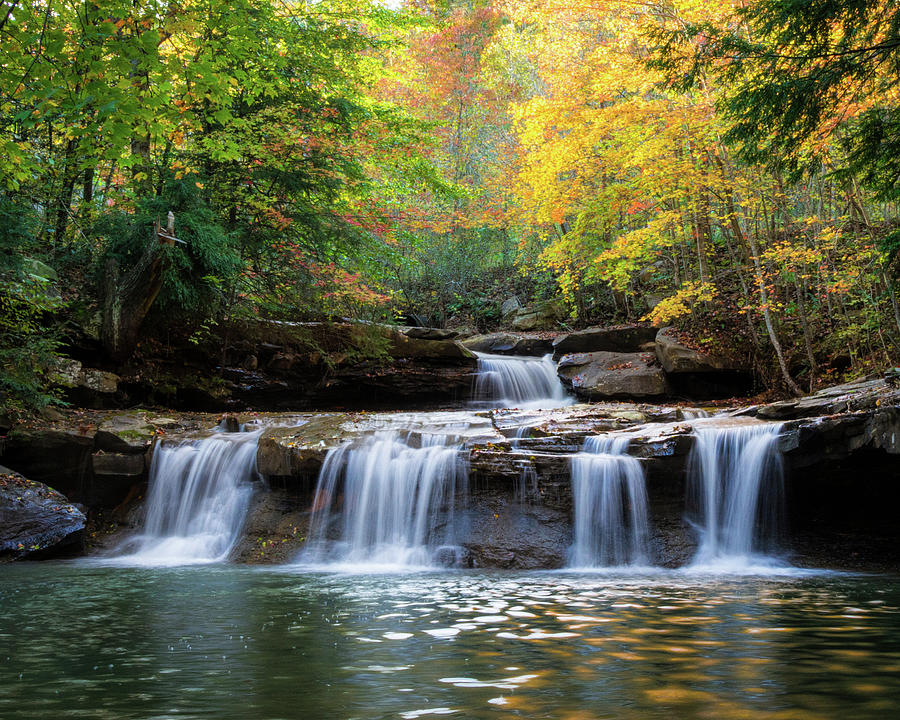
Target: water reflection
[242,643]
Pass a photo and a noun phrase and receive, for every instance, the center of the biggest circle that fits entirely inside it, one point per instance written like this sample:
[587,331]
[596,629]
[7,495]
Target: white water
[736,494]
[610,506]
[516,381]
[197,500]
[392,499]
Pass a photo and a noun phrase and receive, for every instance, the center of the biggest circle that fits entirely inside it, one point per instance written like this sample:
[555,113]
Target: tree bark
[130,295]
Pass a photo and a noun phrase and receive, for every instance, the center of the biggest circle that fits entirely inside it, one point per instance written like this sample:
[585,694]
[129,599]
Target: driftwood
[129,295]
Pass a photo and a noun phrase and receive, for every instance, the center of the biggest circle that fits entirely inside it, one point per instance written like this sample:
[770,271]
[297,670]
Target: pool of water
[81,640]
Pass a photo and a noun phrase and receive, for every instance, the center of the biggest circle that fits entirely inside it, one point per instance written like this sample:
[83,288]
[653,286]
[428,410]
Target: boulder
[442,352]
[541,316]
[625,339]
[35,520]
[509,306]
[508,344]
[676,357]
[427,333]
[599,375]
[86,387]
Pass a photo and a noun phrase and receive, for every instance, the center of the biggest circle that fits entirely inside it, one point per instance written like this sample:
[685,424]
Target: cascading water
[735,491]
[515,381]
[610,506]
[396,493]
[197,499]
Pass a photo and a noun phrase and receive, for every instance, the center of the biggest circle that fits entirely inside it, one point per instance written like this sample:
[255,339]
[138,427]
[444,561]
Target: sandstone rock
[495,343]
[427,333]
[59,458]
[676,357]
[601,375]
[125,432]
[626,339]
[99,381]
[448,352]
[509,306]
[508,344]
[71,374]
[35,520]
[118,465]
[541,316]
[281,362]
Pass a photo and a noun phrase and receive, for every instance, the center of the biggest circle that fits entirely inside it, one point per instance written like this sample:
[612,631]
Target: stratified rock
[509,344]
[675,357]
[625,339]
[600,375]
[449,352]
[35,519]
[427,333]
[495,343]
[855,396]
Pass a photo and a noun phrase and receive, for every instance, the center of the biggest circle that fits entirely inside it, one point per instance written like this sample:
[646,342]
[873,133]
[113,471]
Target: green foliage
[197,268]
[27,301]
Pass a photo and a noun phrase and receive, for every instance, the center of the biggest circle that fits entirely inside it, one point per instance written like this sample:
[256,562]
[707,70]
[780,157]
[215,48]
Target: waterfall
[735,491]
[514,381]
[610,506]
[197,499]
[390,498]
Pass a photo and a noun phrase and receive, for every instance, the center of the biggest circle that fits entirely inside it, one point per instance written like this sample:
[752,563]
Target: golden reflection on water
[464,645]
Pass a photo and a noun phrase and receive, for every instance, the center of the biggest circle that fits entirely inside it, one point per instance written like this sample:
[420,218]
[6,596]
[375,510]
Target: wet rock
[276,528]
[230,423]
[625,339]
[601,375]
[300,450]
[35,520]
[503,531]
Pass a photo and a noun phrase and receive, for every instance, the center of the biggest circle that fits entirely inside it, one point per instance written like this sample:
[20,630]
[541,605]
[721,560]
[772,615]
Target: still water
[225,642]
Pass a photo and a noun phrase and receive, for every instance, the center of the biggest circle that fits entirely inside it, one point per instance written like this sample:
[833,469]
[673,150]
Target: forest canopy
[730,168]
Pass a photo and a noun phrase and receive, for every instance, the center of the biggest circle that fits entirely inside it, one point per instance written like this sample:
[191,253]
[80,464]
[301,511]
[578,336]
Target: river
[83,639]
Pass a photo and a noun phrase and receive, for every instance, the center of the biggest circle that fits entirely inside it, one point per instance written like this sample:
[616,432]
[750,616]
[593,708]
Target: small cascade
[736,491]
[197,500]
[516,381]
[610,506]
[395,493]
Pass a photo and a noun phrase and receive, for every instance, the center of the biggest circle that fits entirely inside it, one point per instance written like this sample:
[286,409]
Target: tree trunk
[130,295]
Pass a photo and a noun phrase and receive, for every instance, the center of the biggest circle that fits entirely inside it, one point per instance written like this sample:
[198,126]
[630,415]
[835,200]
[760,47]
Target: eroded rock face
[35,520]
[604,375]
[625,339]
